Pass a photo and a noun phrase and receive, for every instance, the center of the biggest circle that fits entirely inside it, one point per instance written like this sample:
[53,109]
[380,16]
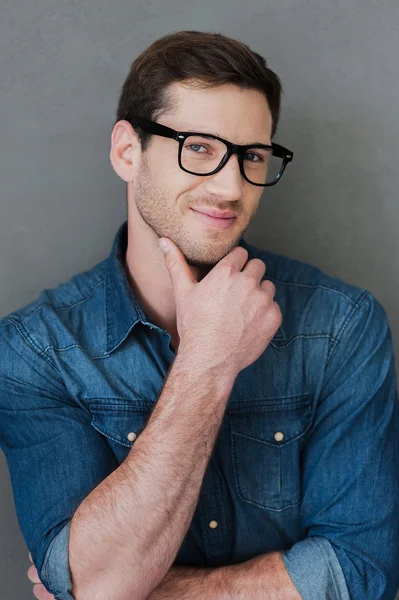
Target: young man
[217,421]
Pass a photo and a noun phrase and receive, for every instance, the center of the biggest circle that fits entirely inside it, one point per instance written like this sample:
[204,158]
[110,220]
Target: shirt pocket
[120,420]
[266,440]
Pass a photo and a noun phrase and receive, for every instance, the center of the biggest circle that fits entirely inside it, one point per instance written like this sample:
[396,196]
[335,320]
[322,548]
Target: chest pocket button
[131,436]
[278,436]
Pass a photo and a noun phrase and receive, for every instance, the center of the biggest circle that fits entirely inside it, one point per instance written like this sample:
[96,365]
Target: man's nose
[228,182]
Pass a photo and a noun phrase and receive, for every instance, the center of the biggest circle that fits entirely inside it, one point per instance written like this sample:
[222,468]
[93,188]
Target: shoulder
[59,316]
[313,302]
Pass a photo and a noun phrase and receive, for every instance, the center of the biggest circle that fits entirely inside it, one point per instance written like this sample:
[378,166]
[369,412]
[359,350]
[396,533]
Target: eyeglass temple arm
[157,128]
[283,152]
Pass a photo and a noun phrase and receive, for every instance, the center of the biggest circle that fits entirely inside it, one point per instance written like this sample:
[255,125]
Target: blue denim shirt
[307,457]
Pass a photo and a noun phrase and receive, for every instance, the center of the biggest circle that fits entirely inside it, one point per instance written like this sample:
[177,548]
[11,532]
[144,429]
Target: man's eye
[195,146]
[261,158]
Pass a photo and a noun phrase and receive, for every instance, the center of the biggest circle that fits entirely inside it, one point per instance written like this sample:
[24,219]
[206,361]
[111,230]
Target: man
[217,421]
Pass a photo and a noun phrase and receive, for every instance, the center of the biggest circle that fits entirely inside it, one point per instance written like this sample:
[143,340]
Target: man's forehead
[243,116]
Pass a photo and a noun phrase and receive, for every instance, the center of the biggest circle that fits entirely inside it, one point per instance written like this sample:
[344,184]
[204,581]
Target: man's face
[164,193]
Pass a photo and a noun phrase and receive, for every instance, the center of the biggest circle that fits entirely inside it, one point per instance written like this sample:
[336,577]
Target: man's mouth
[214,222]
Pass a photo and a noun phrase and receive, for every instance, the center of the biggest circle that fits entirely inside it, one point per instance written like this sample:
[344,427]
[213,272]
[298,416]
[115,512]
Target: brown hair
[205,60]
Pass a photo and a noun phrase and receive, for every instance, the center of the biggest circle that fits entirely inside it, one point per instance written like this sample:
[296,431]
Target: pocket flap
[276,422]
[119,420]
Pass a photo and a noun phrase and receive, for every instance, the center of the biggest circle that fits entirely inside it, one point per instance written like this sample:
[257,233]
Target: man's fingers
[40,592]
[180,273]
[32,574]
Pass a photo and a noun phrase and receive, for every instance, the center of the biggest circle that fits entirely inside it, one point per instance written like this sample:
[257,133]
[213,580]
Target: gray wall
[61,203]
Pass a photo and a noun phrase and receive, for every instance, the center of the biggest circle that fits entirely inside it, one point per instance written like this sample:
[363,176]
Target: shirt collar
[122,308]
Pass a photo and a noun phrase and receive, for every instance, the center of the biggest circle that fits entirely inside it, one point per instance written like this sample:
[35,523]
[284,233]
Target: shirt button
[278,436]
[131,436]
[213,524]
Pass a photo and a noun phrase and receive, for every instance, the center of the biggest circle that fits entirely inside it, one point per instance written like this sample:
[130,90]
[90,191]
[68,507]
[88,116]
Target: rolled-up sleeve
[56,571]
[54,456]
[350,470]
[315,570]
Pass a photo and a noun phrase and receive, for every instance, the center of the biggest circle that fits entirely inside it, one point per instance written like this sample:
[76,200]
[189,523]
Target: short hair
[203,59]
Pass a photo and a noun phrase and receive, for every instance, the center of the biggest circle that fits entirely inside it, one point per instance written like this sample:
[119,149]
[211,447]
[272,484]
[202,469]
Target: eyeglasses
[260,164]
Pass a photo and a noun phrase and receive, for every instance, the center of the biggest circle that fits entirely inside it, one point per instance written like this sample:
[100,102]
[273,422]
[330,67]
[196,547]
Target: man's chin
[204,264]
[201,264]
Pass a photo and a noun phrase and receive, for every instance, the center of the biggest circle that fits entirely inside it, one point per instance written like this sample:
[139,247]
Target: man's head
[193,81]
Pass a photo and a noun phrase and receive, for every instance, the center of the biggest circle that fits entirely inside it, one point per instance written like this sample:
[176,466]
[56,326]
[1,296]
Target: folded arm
[350,470]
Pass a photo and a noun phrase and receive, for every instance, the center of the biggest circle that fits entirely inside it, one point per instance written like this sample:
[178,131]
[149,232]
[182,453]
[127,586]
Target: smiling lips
[215,222]
[219,214]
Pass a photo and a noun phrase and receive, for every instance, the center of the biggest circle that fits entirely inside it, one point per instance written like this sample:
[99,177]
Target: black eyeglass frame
[180,136]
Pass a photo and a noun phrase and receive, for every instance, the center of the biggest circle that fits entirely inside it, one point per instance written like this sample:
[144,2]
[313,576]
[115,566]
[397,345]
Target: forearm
[125,535]
[261,578]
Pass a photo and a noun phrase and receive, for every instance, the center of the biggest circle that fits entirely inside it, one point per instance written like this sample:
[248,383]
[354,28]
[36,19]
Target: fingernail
[163,244]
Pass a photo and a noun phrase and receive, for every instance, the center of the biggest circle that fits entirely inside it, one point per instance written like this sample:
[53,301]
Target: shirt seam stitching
[32,344]
[306,285]
[346,324]
[46,303]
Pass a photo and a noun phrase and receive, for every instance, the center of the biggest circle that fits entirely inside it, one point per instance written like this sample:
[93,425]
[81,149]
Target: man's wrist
[195,364]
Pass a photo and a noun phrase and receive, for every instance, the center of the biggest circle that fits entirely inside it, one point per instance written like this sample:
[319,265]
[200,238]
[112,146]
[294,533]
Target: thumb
[179,271]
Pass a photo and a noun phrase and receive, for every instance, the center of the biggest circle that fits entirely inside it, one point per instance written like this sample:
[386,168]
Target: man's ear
[125,150]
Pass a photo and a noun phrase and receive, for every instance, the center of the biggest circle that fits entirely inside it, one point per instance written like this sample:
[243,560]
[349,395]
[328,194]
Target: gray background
[62,65]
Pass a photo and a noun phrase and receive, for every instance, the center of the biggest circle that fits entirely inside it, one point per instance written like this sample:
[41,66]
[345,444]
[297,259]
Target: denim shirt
[307,456]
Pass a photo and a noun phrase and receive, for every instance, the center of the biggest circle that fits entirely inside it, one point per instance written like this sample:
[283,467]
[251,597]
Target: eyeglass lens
[202,155]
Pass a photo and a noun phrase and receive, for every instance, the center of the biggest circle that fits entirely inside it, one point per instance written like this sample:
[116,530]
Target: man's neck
[149,279]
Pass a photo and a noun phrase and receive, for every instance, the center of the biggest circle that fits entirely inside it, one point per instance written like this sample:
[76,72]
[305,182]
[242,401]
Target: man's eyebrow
[185,128]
